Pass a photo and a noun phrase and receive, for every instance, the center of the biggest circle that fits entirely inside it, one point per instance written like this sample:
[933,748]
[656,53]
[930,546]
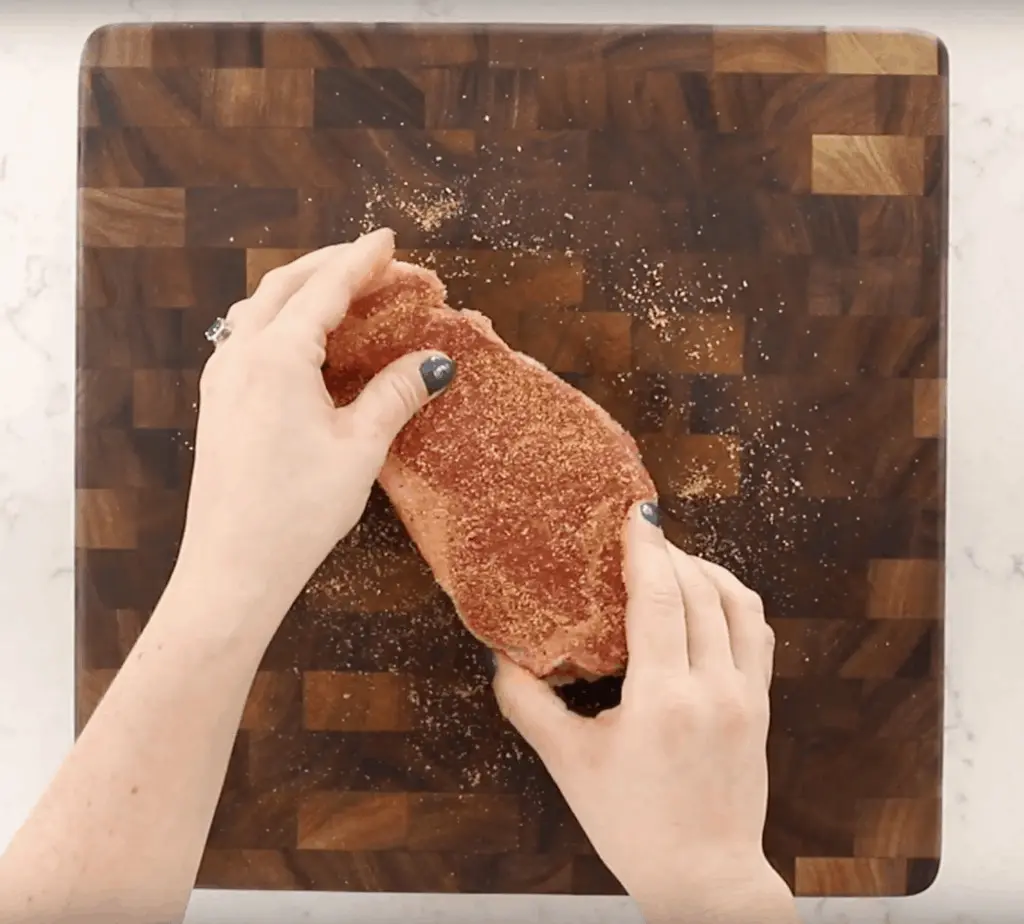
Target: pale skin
[280,476]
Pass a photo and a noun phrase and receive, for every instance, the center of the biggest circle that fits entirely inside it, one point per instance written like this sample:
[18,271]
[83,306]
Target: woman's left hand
[281,474]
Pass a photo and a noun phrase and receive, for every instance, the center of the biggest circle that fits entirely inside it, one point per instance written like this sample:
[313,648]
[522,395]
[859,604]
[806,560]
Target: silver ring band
[219,331]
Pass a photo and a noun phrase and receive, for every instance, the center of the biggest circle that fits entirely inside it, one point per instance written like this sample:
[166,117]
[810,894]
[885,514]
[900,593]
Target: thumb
[393,396]
[534,710]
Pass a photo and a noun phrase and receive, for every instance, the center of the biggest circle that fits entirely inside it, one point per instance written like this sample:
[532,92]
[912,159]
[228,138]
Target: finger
[321,303]
[655,623]
[276,286]
[751,639]
[535,710]
[393,396]
[707,633]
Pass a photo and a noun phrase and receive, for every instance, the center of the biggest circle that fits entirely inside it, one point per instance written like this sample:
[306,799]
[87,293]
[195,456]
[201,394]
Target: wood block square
[816,225]
[590,876]
[333,45]
[261,260]
[106,518]
[731,161]
[116,633]
[254,819]
[140,96]
[765,51]
[353,821]
[899,225]
[690,343]
[894,828]
[905,589]
[160,277]
[913,105]
[890,286]
[840,876]
[216,45]
[851,52]
[685,466]
[606,98]
[472,824]
[818,646]
[681,49]
[104,398]
[517,160]
[273,702]
[867,165]
[369,97]
[244,97]
[356,702]
[365,577]
[127,45]
[241,217]
[246,869]
[132,217]
[535,874]
[481,98]
[641,160]
[161,517]
[929,408]
[504,285]
[164,399]
[568,341]
[788,107]
[575,96]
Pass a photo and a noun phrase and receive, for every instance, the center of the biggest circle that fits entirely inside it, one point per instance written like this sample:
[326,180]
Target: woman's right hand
[671,786]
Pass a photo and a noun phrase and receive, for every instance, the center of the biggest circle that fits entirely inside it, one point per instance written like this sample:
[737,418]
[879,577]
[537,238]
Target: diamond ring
[219,331]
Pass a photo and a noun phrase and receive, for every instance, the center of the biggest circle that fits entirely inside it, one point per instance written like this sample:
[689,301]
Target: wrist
[214,601]
[728,893]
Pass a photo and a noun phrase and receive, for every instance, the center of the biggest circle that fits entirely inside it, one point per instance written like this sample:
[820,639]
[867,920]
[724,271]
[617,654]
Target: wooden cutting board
[734,240]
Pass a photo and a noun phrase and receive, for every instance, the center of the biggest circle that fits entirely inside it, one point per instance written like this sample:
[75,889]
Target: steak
[513,484]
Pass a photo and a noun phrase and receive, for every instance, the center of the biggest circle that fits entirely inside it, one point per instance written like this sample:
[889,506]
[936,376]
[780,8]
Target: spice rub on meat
[513,484]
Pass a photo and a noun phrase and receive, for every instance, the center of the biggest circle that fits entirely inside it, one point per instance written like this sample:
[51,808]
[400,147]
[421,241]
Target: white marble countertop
[983,843]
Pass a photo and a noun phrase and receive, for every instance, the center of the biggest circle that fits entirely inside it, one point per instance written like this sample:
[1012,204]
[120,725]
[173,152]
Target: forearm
[119,833]
[760,897]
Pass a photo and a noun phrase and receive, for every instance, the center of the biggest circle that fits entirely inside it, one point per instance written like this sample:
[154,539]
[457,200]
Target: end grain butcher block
[733,241]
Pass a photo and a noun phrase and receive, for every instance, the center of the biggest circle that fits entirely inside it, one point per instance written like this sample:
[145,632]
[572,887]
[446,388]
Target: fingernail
[651,512]
[437,373]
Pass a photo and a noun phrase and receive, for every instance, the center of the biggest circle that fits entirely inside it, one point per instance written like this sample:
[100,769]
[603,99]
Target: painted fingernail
[437,373]
[651,512]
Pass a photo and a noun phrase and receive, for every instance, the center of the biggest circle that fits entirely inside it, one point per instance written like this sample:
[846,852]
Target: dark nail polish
[651,512]
[437,373]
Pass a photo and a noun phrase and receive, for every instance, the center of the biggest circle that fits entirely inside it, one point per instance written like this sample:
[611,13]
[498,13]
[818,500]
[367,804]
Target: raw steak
[513,484]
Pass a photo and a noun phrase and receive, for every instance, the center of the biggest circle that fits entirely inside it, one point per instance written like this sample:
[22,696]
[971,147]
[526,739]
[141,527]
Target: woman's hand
[671,786]
[281,475]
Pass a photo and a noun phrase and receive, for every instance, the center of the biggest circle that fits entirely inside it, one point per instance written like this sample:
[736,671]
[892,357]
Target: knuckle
[403,391]
[233,367]
[730,714]
[239,307]
[275,280]
[661,596]
[734,708]
[751,600]
[701,597]
[678,705]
